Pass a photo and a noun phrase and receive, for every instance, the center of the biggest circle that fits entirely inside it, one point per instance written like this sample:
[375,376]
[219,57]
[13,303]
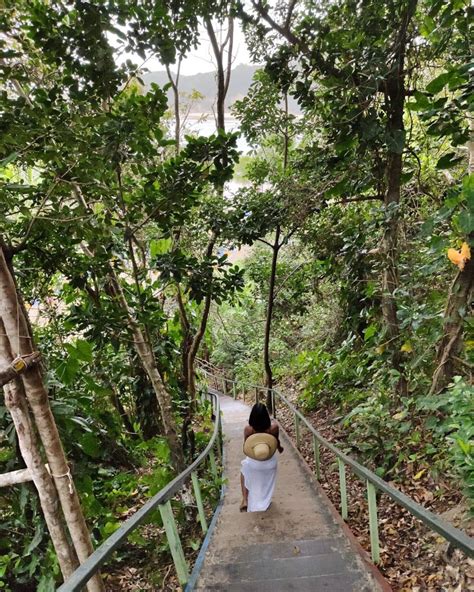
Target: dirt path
[297,544]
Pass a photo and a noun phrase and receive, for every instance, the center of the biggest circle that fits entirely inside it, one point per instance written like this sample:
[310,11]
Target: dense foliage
[117,232]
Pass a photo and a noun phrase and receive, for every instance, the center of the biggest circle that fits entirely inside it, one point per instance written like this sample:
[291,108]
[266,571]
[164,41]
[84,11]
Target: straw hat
[260,446]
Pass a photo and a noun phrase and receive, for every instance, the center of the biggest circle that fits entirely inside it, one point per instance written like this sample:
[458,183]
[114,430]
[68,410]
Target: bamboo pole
[21,342]
[15,477]
[15,401]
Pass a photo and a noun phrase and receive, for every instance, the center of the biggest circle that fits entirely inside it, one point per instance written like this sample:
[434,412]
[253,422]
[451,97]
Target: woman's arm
[275,431]
[248,431]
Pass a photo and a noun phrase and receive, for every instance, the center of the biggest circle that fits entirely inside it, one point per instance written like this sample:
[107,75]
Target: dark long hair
[259,418]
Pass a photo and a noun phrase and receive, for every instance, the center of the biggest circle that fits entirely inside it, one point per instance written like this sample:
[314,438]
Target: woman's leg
[245,494]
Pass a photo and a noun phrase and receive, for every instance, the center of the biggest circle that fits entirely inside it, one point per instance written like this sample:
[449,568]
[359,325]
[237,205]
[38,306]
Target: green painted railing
[374,483]
[161,500]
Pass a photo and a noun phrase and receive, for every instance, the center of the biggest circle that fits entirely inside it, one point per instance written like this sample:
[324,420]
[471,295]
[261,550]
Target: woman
[258,470]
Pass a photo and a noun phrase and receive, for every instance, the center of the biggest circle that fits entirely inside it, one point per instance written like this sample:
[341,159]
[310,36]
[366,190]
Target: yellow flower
[459,258]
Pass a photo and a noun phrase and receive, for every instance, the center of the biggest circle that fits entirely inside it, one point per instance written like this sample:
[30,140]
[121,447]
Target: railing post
[234,390]
[342,488]
[200,507]
[297,430]
[317,461]
[224,381]
[174,542]
[212,461]
[219,439]
[274,403]
[373,523]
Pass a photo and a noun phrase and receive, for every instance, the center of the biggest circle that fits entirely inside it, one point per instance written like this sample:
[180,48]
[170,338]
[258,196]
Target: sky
[200,59]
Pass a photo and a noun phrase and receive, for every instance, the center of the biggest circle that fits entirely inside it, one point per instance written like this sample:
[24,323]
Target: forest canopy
[330,257]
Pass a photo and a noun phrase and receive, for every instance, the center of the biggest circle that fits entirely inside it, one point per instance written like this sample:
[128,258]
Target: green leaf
[427,26]
[448,160]
[396,141]
[10,158]
[439,82]
[35,541]
[160,247]
[46,584]
[468,191]
[84,350]
[369,332]
[110,527]
[68,369]
[90,445]
[466,221]
[464,446]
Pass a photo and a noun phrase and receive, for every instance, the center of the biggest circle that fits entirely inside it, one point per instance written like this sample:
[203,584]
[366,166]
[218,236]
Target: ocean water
[205,125]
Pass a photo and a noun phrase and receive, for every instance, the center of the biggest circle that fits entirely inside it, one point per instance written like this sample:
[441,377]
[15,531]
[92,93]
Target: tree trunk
[186,341]
[390,280]
[452,342]
[395,102]
[15,401]
[223,72]
[147,358]
[144,350]
[177,116]
[21,342]
[223,80]
[268,321]
[196,342]
[457,307]
[117,403]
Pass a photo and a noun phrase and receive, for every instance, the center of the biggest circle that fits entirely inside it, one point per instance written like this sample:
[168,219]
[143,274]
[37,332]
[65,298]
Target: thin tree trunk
[15,401]
[223,72]
[395,102]
[177,116]
[17,328]
[147,358]
[223,81]
[390,281]
[117,403]
[15,477]
[457,308]
[196,342]
[186,341]
[452,342]
[268,321]
[143,348]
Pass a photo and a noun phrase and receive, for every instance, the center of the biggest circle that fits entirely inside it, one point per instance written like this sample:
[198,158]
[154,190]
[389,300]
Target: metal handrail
[86,570]
[454,535]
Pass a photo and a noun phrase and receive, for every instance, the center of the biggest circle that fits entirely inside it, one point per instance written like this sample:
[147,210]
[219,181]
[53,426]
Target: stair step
[347,582]
[279,550]
[284,568]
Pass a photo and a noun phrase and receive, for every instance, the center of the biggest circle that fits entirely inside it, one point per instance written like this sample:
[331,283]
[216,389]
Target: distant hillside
[205,83]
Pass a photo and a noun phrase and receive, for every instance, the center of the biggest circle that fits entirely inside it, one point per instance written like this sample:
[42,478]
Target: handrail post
[219,440]
[234,390]
[200,506]
[373,523]
[272,394]
[174,542]
[317,461]
[297,430]
[224,382]
[343,488]
[212,461]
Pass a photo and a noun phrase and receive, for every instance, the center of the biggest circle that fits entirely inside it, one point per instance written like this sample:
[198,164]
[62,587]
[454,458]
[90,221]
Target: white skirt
[259,479]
